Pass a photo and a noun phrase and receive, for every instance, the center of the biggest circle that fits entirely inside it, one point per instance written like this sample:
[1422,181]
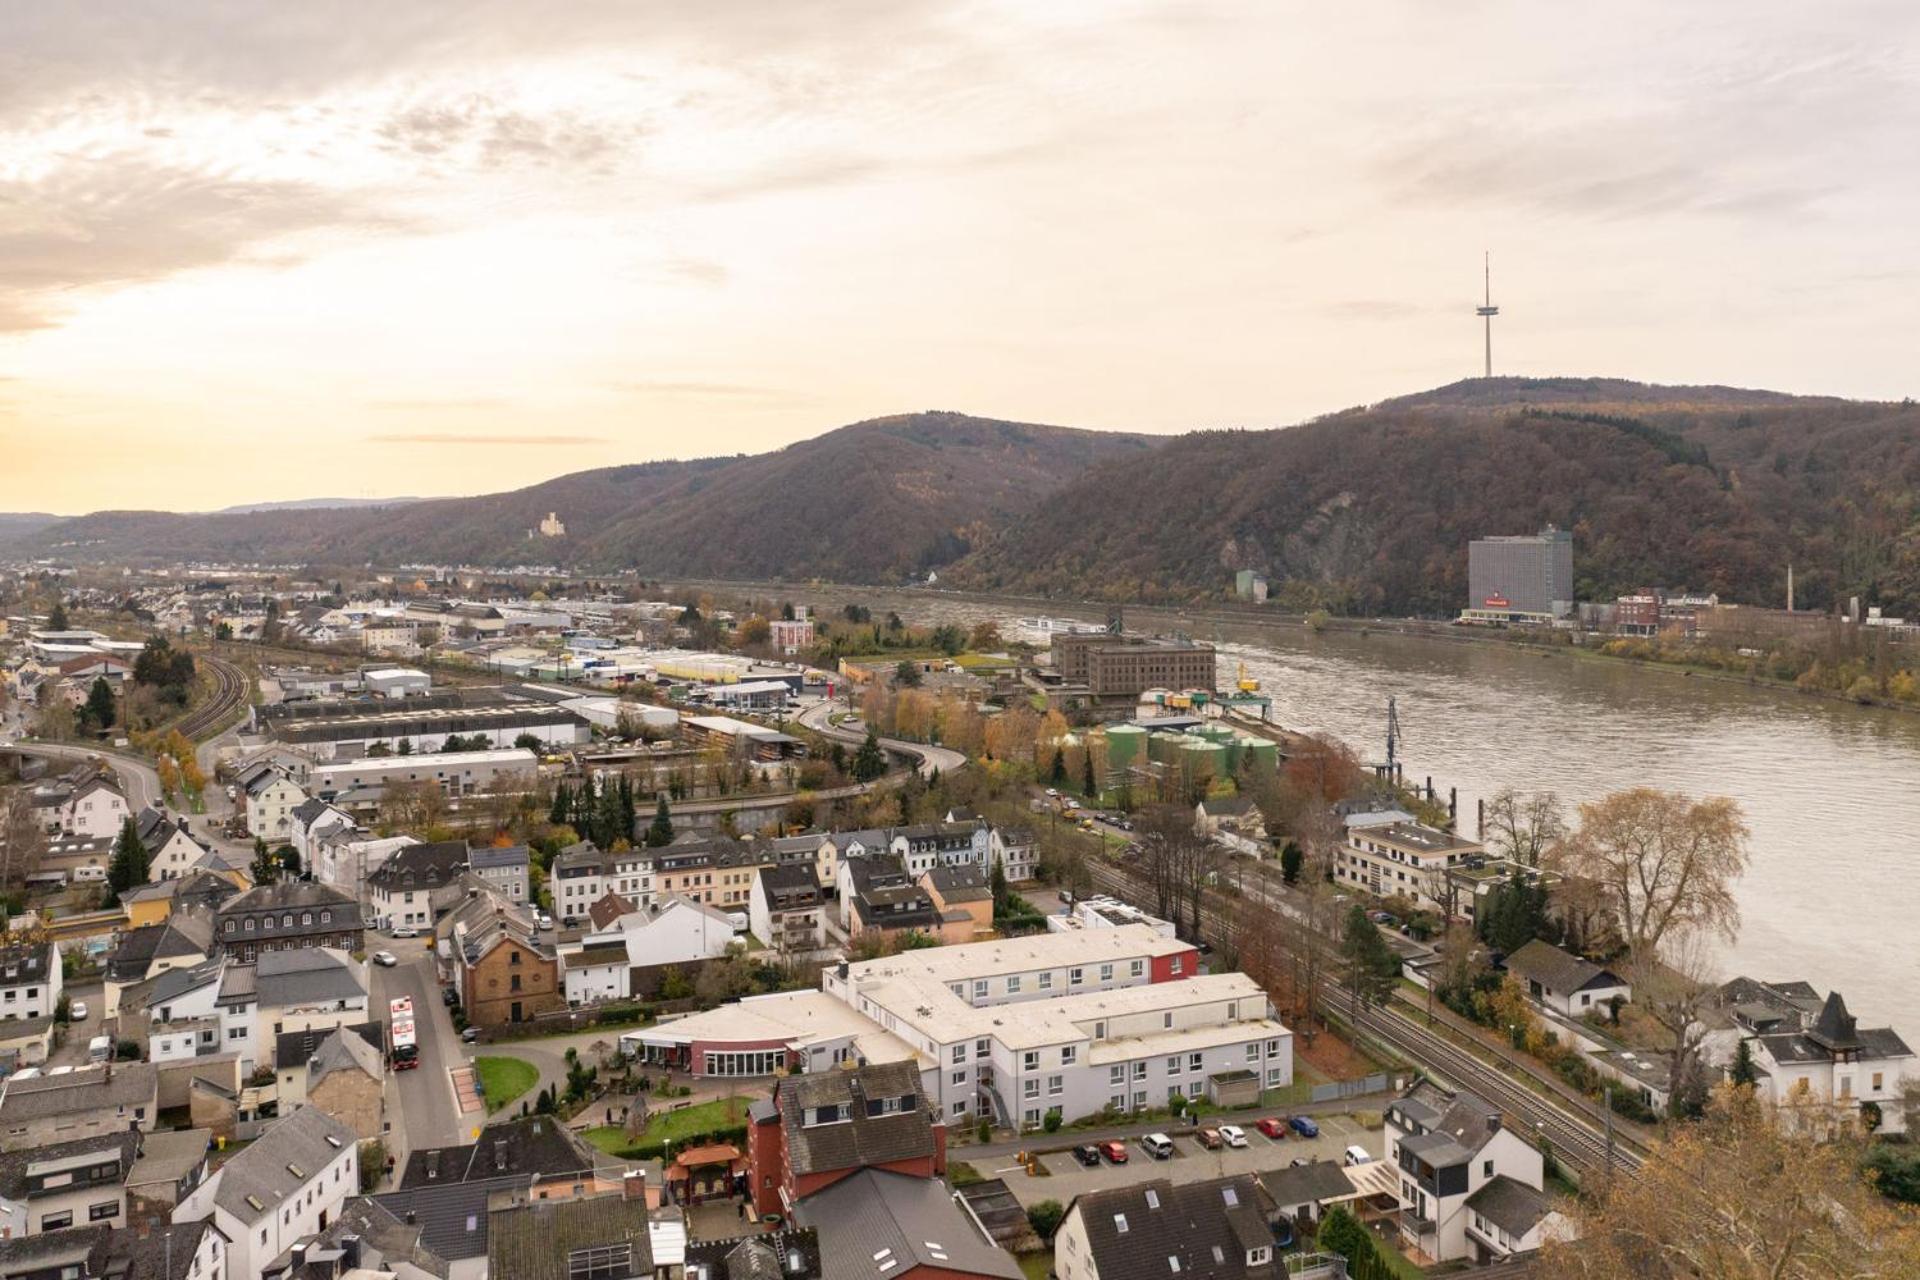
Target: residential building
[171,848]
[1118,1019]
[790,635]
[629,873]
[903,1227]
[1448,1148]
[67,1184]
[1563,983]
[882,899]
[1233,821]
[271,798]
[1016,850]
[170,1164]
[344,858]
[287,1186]
[288,915]
[311,821]
[1102,912]
[675,933]
[792,1253]
[525,1151]
[346,1078]
[1528,578]
[416,883]
[1305,1190]
[1812,1053]
[594,973]
[956,891]
[815,1130]
[942,844]
[501,968]
[199,892]
[1507,1218]
[785,909]
[598,1238]
[183,940]
[1408,858]
[716,871]
[84,1103]
[194,1251]
[506,869]
[30,978]
[93,806]
[578,879]
[181,1013]
[1214,1229]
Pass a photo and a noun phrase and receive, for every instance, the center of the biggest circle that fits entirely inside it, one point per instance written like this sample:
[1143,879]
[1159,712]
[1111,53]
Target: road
[420,1104]
[933,759]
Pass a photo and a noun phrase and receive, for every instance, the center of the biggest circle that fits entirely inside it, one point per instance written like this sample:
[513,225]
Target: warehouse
[458,773]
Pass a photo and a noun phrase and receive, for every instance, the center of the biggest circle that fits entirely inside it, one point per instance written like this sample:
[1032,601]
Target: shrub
[1045,1217]
[983,1132]
[1052,1121]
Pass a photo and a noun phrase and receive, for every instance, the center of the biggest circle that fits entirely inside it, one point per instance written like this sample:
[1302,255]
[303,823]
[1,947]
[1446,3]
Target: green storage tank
[1265,753]
[1202,759]
[1125,745]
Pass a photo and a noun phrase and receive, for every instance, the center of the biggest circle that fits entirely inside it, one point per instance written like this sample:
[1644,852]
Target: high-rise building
[1528,578]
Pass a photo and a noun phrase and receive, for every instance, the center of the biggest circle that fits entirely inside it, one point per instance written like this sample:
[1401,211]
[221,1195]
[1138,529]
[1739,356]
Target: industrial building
[425,728]
[1120,666]
[1525,579]
[457,773]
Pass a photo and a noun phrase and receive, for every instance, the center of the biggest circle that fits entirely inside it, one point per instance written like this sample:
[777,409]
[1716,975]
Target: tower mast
[1487,311]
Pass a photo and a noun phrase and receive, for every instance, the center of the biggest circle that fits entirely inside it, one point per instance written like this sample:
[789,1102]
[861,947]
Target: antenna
[1487,311]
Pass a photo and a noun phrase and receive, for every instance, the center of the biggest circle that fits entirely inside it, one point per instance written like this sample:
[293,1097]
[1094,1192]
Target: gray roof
[528,1147]
[1514,1207]
[495,859]
[171,984]
[118,1146]
[865,1138]
[421,866]
[964,883]
[452,1216]
[340,1051]
[307,974]
[532,1241]
[124,1086]
[267,901]
[1465,1118]
[1208,1226]
[1559,970]
[874,1215]
[291,1048]
[292,1150]
[1312,1182]
[168,1155]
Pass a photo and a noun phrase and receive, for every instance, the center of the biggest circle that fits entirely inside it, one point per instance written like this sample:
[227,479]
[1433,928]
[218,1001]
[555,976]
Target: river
[1830,790]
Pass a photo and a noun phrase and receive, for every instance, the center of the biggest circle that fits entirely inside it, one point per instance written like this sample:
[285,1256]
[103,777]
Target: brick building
[1114,666]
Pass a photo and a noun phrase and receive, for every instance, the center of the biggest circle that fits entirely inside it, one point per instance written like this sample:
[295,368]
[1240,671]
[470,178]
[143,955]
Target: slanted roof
[880,1131]
[119,1147]
[609,908]
[421,866]
[307,974]
[290,1152]
[341,1051]
[874,1216]
[530,1145]
[1133,1232]
[1835,1029]
[290,1048]
[534,1241]
[1514,1207]
[126,1086]
[1558,970]
[1310,1183]
[964,883]
[494,859]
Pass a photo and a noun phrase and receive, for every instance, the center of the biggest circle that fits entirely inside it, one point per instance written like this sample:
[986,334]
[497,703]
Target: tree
[997,881]
[1671,986]
[99,711]
[1739,1196]
[660,830]
[528,742]
[130,863]
[1089,785]
[57,617]
[266,868]
[1372,967]
[1045,1216]
[1525,825]
[1057,775]
[1666,863]
[1051,1121]
[1290,861]
[868,762]
[985,637]
[1515,913]
[906,674]
[674,984]
[1744,1071]
[1341,1233]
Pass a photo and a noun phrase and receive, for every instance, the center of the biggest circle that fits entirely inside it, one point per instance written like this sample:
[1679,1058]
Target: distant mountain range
[311,504]
[1369,510]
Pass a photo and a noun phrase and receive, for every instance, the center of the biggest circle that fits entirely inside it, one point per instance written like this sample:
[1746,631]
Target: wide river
[1830,790]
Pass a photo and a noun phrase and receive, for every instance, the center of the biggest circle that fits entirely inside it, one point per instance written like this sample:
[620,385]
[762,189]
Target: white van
[1358,1155]
[99,1049]
[1158,1145]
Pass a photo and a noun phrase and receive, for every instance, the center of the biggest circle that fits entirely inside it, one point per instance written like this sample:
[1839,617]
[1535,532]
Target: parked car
[1115,1152]
[1209,1138]
[1358,1155]
[470,1035]
[77,1011]
[544,920]
[1088,1155]
[1383,917]
[1305,1127]
[1233,1135]
[385,959]
[1158,1145]
[405,931]
[449,997]
[1274,1127]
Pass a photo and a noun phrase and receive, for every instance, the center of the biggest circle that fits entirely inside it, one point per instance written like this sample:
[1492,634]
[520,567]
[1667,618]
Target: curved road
[933,759]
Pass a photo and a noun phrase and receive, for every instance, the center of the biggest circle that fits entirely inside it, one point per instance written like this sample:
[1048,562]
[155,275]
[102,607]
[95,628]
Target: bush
[1052,1121]
[1045,1218]
[128,1051]
[373,1163]
[983,1132]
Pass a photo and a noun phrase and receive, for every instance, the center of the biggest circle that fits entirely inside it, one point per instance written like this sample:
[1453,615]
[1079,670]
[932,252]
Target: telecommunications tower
[1487,311]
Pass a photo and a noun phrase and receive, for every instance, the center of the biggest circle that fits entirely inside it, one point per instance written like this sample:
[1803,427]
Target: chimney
[633,1187]
[410,1218]
[1493,1123]
[500,1155]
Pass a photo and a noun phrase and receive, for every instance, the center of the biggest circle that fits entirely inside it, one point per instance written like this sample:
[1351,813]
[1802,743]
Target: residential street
[420,1102]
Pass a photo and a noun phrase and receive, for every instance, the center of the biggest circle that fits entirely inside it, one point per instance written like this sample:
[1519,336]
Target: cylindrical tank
[1124,745]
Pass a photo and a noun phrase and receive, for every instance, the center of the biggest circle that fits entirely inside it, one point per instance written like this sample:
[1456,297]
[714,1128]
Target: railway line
[1578,1141]
[231,692]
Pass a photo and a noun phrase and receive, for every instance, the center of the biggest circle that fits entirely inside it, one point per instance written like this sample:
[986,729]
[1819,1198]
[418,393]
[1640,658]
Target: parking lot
[1190,1162]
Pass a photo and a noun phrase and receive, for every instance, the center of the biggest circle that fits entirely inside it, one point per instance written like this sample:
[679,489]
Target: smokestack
[633,1187]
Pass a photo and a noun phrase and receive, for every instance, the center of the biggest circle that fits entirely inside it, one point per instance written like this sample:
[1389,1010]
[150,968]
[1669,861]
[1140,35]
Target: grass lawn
[504,1079]
[1035,1266]
[673,1126]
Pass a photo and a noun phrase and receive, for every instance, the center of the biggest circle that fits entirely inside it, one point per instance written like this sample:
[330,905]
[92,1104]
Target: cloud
[476,130]
[119,220]
[428,403]
[439,437]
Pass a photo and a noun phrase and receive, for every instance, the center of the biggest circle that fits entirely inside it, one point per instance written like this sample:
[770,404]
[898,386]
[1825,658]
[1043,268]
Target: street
[420,1103]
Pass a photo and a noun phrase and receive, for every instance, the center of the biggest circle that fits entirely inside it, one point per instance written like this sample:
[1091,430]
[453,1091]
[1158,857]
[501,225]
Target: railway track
[230,694]
[1578,1141]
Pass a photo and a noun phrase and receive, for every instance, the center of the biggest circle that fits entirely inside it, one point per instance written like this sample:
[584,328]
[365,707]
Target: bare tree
[20,835]
[1665,862]
[1525,825]
[1672,986]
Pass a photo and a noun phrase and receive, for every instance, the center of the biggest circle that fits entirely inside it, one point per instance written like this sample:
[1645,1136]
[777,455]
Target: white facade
[306,833]
[96,809]
[456,772]
[30,978]
[309,1198]
[1401,858]
[593,979]
[1434,1208]
[680,932]
[1016,851]
[345,864]
[270,804]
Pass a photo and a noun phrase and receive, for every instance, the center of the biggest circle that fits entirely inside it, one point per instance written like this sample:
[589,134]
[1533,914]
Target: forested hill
[1370,510]
[872,502]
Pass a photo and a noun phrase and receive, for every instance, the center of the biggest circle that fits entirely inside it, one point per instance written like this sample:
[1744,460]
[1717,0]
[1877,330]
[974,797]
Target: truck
[403,1044]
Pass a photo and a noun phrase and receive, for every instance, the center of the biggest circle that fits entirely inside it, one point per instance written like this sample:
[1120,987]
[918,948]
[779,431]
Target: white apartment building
[96,808]
[1078,1022]
[1469,1186]
[30,977]
[288,1186]
[1402,858]
[271,799]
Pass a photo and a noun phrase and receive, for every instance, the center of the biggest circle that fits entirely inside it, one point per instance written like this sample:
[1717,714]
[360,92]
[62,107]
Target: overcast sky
[253,252]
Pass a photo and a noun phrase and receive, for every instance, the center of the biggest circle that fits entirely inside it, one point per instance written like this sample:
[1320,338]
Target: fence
[1334,1090]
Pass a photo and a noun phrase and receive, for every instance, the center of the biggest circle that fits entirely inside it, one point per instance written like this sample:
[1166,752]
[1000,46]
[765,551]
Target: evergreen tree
[1058,774]
[660,830]
[1341,1233]
[1292,859]
[266,868]
[868,762]
[1743,1070]
[1089,785]
[99,711]
[406,747]
[1372,967]
[57,617]
[606,818]
[998,882]
[130,862]
[628,813]
[560,814]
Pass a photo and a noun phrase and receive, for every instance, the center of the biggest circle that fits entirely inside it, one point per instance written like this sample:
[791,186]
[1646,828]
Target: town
[432,925]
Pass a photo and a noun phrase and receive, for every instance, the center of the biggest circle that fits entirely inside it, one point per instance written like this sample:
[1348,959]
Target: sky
[263,252]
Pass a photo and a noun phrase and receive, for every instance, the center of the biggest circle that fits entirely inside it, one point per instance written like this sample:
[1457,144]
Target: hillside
[1370,510]
[869,502]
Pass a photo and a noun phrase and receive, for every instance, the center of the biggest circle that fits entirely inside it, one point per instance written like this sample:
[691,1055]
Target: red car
[1274,1127]
[1115,1152]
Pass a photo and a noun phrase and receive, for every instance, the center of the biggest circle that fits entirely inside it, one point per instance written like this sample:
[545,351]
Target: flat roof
[800,1018]
[504,755]
[1023,955]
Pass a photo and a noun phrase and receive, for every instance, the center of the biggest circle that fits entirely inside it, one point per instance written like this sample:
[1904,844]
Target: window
[1173,1065]
[513,958]
[249,924]
[602,1262]
[1195,1062]
[1137,968]
[1069,1054]
[1253,1053]
[982,1048]
[57,1221]
[1046,980]
[1117,1074]
[326,917]
[959,1077]
[1056,1085]
[1273,1048]
[1106,973]
[230,926]
[1486,1168]
[103,1211]
[959,1053]
[1030,1088]
[1140,1070]
[1075,977]
[979,988]
[1120,1223]
[1030,1060]
[1166,1020]
[1878,1081]
[1013,984]
[306,917]
[960,1107]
